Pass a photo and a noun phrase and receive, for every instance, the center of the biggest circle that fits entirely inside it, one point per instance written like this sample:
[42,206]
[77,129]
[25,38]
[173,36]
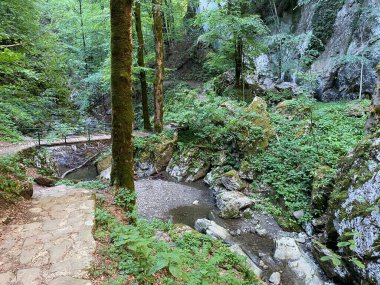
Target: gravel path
[57,246]
[155,198]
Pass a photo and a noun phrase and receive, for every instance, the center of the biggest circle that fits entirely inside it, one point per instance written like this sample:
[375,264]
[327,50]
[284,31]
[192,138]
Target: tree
[141,63]
[373,121]
[121,94]
[159,79]
[233,32]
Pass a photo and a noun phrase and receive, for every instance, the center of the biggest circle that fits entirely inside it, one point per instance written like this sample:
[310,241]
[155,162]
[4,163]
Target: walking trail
[57,246]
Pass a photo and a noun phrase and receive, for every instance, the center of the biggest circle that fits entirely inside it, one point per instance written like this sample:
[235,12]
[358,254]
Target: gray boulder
[231,202]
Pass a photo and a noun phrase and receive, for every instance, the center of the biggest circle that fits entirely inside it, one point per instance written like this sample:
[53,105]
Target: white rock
[287,249]
[275,278]
[213,229]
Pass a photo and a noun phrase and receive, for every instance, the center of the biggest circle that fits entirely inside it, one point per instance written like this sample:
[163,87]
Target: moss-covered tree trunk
[141,63]
[121,92]
[159,80]
[373,122]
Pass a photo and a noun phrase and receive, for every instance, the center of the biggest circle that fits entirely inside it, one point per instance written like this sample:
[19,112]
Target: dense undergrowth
[302,157]
[13,180]
[162,253]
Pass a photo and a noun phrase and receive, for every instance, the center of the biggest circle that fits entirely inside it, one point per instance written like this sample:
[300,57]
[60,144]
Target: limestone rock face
[354,207]
[213,229]
[103,163]
[341,79]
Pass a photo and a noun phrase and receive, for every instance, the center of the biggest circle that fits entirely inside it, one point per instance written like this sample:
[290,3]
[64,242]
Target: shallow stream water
[184,203]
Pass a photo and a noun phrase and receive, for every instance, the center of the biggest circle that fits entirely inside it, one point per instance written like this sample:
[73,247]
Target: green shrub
[289,163]
[187,258]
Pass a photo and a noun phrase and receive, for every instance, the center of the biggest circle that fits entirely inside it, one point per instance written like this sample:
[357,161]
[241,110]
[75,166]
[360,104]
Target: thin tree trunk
[141,63]
[361,80]
[238,62]
[122,97]
[83,34]
[373,121]
[278,24]
[159,80]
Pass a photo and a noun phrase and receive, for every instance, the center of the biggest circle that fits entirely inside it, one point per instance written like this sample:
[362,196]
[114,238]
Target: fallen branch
[8,46]
[80,166]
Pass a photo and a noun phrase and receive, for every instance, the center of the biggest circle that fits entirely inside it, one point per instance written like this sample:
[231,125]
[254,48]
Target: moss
[288,224]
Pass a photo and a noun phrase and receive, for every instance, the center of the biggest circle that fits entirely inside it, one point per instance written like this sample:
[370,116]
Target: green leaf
[175,270]
[161,263]
[358,263]
[343,243]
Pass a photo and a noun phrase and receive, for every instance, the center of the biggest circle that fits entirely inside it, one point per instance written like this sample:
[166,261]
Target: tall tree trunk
[159,80]
[83,35]
[238,62]
[278,24]
[141,63]
[373,121]
[361,80]
[122,97]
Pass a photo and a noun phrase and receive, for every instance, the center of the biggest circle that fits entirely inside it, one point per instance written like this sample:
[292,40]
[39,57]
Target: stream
[184,203]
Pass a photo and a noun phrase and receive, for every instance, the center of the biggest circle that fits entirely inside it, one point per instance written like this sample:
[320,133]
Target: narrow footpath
[56,247]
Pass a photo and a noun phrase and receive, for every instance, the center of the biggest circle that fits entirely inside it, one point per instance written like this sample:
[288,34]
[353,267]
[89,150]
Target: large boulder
[258,117]
[190,165]
[231,202]
[354,208]
[297,260]
[154,155]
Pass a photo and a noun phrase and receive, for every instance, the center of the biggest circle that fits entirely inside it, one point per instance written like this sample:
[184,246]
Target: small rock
[196,202]
[260,231]
[213,229]
[238,232]
[263,265]
[275,278]
[298,214]
[301,238]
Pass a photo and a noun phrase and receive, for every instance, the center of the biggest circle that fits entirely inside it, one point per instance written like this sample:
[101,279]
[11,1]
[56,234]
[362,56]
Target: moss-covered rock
[338,273]
[259,117]
[354,207]
[190,165]
[103,162]
[322,187]
[294,108]
[232,181]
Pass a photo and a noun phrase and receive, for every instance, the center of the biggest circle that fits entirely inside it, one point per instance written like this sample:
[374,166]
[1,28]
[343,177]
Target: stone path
[57,246]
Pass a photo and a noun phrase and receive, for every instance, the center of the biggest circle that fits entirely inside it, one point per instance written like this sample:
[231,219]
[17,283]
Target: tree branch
[8,46]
